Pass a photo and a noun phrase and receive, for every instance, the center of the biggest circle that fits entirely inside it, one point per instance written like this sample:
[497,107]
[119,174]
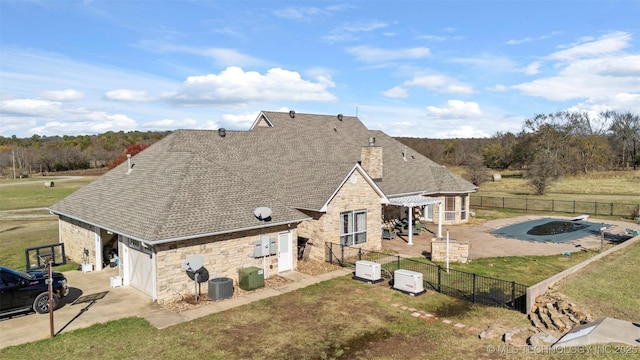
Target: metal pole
[50,282]
[447,251]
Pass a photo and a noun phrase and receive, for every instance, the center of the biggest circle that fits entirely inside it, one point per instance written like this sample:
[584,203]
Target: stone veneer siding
[326,227]
[76,237]
[458,251]
[223,255]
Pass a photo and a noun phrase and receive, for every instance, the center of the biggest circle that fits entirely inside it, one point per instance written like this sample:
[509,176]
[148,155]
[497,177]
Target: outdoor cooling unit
[368,271]
[409,282]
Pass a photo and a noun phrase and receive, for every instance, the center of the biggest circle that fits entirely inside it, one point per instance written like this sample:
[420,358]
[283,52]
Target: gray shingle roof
[195,182]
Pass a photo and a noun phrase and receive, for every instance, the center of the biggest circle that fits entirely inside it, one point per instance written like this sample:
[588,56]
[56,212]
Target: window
[353,227]
[140,246]
[450,208]
[463,207]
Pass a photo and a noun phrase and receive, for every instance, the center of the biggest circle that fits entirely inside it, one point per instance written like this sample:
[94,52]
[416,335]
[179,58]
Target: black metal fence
[468,286]
[550,205]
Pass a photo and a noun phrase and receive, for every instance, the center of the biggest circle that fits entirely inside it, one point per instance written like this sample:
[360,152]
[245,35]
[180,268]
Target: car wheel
[41,303]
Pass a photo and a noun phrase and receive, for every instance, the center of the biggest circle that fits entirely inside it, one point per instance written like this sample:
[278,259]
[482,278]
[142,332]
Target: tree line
[548,146]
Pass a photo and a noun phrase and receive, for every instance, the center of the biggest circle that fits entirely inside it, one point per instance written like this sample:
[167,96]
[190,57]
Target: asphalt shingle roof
[194,182]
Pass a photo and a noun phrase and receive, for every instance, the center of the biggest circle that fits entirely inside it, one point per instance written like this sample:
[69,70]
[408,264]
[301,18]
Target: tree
[625,135]
[476,172]
[131,150]
[549,149]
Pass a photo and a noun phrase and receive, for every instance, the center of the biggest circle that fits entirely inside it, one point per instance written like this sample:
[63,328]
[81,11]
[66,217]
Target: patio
[484,244]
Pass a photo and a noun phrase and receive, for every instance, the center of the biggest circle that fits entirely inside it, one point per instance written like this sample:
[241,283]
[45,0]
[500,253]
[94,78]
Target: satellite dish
[203,275]
[193,263]
[262,213]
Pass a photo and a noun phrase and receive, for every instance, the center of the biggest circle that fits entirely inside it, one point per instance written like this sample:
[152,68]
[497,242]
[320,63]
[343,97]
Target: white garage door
[141,267]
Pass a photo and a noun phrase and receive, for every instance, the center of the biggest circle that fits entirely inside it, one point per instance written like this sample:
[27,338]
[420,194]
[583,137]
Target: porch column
[410,225]
[440,218]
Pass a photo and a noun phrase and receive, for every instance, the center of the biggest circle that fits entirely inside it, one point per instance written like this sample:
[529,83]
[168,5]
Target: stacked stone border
[541,288]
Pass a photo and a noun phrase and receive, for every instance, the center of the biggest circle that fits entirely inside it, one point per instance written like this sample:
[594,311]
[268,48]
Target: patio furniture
[388,233]
[417,228]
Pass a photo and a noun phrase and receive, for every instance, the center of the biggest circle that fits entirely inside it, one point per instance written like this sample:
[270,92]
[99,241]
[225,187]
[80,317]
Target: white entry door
[285,260]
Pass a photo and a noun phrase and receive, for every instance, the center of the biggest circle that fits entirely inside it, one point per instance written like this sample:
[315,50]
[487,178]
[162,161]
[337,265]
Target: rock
[541,339]
[493,331]
[545,319]
[535,320]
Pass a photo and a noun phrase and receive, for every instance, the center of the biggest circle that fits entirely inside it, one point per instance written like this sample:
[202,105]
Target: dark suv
[21,292]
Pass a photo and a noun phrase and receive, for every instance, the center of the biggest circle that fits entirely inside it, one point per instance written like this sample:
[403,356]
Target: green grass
[23,194]
[610,286]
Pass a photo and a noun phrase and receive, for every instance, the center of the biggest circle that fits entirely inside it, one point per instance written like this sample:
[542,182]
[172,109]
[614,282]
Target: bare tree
[625,135]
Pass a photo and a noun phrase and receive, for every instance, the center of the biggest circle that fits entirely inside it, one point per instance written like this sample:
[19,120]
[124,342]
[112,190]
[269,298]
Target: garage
[138,266]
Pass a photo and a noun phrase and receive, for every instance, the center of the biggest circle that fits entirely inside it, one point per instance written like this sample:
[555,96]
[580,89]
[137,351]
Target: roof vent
[340,117]
[292,114]
[222,132]
[129,164]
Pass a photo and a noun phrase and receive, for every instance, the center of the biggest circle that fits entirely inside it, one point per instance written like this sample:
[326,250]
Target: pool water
[549,230]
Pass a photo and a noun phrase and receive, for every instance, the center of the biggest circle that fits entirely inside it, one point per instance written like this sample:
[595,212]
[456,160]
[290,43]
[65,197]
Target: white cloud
[62,95]
[605,45]
[234,85]
[464,131]
[532,68]
[587,78]
[350,31]
[30,107]
[88,123]
[440,83]
[455,109]
[371,54]
[497,88]
[591,69]
[171,124]
[242,121]
[396,92]
[221,56]
[128,95]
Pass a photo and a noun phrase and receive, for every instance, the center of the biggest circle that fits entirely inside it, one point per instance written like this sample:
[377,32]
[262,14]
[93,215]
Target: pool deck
[484,244]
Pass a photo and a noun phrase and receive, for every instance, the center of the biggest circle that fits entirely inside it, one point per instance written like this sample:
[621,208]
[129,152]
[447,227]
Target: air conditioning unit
[368,271]
[409,282]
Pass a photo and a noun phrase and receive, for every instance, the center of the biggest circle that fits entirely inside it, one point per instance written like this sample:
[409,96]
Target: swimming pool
[550,230]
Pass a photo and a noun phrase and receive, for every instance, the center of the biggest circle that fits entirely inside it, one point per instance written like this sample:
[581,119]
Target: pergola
[415,201]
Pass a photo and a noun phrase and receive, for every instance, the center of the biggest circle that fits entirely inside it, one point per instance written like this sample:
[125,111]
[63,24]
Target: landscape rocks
[554,312]
[552,316]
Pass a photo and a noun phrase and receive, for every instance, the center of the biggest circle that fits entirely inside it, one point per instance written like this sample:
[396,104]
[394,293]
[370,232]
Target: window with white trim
[450,208]
[353,227]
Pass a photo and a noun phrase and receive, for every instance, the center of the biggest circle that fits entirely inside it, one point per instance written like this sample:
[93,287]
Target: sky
[428,69]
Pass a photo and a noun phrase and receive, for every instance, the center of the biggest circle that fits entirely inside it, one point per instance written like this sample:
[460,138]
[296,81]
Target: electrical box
[408,281]
[261,247]
[266,246]
[368,271]
[272,246]
[251,278]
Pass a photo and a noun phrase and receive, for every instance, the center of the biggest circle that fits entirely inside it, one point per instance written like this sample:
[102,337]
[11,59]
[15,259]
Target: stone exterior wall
[371,160]
[458,251]
[356,195]
[223,255]
[76,237]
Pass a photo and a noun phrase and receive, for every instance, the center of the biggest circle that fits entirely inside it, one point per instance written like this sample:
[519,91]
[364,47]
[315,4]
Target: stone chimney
[371,159]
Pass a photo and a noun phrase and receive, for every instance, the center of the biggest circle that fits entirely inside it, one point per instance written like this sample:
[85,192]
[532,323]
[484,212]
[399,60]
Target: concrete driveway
[91,300]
